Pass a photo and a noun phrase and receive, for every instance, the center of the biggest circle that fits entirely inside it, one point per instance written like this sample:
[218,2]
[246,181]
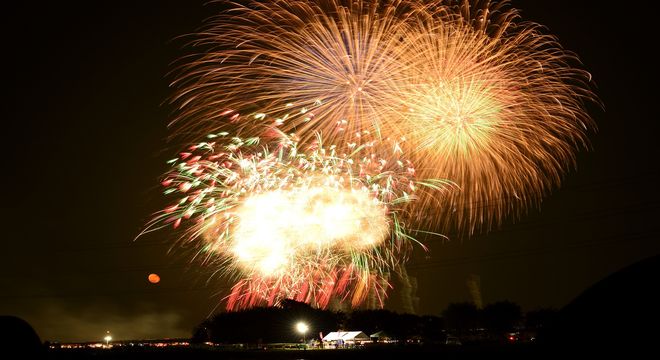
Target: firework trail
[484,99]
[309,223]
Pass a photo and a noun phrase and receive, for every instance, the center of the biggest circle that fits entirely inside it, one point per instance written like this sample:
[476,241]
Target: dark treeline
[277,324]
[501,320]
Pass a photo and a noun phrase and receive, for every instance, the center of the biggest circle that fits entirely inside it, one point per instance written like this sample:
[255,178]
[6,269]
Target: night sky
[85,142]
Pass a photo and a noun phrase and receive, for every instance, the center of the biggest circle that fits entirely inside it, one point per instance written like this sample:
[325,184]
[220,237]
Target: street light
[302,328]
[107,339]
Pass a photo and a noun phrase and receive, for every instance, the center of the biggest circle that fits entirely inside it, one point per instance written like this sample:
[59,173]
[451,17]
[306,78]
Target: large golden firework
[494,104]
[484,99]
[340,59]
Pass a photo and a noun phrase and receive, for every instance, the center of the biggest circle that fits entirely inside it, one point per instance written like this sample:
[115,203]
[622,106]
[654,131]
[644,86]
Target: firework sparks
[337,58]
[274,226]
[484,99]
[495,105]
[311,223]
[470,92]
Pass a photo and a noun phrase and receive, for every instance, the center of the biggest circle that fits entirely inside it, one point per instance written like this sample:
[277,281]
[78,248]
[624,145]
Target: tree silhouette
[502,317]
[462,318]
[540,318]
[266,324]
[277,324]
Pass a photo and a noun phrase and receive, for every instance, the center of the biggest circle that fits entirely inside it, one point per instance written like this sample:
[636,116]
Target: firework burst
[340,59]
[495,105]
[311,223]
[314,200]
[484,99]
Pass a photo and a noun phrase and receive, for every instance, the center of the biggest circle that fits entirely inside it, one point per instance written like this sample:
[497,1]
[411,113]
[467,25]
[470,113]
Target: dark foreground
[362,354]
[521,351]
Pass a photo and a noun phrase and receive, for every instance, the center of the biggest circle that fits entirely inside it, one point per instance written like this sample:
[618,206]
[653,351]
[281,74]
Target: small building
[345,339]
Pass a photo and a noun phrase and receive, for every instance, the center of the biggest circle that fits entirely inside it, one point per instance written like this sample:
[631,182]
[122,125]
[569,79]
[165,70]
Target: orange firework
[483,99]
[338,59]
[493,104]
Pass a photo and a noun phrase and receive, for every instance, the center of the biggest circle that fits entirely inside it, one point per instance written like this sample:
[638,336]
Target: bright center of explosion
[456,116]
[277,229]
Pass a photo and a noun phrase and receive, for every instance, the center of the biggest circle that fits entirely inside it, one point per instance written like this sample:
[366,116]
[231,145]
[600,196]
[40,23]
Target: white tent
[339,338]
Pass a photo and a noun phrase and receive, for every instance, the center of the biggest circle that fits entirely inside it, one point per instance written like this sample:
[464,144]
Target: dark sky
[85,143]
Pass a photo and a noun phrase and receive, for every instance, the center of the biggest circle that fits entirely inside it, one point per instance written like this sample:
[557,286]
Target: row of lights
[301,327]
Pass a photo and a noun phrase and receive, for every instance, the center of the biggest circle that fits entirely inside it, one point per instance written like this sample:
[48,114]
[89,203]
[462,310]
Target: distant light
[302,327]
[154,278]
